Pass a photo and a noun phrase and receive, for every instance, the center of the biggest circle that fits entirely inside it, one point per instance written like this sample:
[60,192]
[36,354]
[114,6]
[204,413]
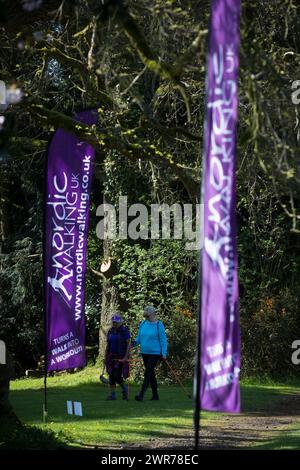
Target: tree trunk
[6,373]
[109,305]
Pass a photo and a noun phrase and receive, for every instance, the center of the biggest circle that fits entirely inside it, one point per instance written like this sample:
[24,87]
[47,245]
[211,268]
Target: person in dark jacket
[117,356]
[152,340]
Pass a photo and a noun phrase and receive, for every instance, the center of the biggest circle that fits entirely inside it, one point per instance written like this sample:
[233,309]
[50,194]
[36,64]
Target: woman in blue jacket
[153,345]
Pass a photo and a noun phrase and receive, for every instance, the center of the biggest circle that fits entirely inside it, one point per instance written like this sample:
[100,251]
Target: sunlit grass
[112,423]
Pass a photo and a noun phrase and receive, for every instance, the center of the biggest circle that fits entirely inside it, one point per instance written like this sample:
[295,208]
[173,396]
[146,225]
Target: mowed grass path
[116,423]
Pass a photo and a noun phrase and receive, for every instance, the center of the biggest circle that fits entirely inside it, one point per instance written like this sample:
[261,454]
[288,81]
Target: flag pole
[45,404]
[197,414]
[198,368]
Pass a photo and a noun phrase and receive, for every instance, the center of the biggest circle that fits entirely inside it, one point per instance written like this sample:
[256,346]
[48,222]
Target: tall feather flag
[219,333]
[69,175]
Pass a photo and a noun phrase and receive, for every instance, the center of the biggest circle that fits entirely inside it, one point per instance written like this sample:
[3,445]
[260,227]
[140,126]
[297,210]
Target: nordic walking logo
[69,203]
[158,221]
[219,243]
[2,353]
[63,224]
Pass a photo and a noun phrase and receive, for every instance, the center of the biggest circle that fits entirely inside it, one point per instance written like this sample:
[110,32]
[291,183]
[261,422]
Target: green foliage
[268,332]
[269,257]
[163,274]
[21,306]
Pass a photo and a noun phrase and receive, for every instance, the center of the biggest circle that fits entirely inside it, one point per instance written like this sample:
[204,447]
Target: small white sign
[70,407]
[77,408]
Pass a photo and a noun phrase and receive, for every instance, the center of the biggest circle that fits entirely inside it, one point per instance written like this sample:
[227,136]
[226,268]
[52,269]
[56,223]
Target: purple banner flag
[220,334]
[67,200]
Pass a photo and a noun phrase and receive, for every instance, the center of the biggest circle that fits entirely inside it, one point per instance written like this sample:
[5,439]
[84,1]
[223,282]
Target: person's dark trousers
[150,362]
[116,375]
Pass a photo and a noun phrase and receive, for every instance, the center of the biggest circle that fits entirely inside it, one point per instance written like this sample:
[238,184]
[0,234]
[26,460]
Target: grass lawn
[113,423]
[288,440]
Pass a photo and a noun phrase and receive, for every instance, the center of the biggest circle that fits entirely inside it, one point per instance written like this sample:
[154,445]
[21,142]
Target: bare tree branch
[134,151]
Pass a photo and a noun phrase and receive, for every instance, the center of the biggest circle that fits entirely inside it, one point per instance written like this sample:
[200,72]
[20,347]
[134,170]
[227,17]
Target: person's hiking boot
[112,396]
[138,397]
[154,398]
[125,392]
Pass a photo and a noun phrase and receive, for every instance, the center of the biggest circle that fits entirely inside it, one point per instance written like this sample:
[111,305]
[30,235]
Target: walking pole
[129,362]
[177,378]
[132,361]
